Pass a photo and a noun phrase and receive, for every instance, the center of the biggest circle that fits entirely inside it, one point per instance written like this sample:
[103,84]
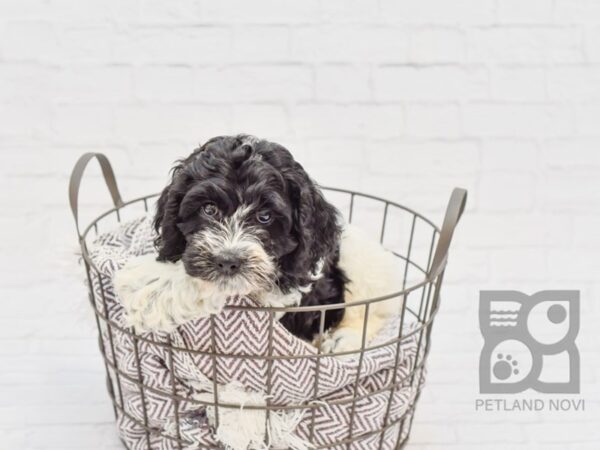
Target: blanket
[182,377]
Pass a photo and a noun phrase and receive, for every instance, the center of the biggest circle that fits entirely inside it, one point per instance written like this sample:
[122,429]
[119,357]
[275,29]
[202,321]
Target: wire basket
[420,246]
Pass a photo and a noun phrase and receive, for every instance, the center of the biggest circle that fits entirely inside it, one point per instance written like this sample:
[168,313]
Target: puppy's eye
[210,209]
[263,217]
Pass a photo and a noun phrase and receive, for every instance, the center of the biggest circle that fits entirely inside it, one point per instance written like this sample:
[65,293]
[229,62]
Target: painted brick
[371,44]
[519,84]
[562,87]
[531,12]
[518,120]
[355,86]
[431,11]
[430,83]
[436,45]
[433,120]
[170,84]
[519,44]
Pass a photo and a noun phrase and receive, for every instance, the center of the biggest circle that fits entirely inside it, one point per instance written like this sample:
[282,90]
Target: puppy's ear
[170,241]
[315,223]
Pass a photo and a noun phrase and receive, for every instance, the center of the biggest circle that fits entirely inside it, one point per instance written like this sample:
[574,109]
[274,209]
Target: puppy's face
[236,221]
[242,214]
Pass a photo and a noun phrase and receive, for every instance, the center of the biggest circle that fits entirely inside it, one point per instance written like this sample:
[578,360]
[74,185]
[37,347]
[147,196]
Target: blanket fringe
[240,428]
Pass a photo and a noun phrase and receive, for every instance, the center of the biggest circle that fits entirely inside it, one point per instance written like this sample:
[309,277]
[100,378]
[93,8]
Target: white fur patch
[373,272]
[159,296]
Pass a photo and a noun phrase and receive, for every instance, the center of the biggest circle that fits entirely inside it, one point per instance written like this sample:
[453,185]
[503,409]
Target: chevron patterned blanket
[179,372]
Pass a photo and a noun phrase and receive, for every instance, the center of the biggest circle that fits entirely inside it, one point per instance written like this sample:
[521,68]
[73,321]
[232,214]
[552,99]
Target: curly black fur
[242,174]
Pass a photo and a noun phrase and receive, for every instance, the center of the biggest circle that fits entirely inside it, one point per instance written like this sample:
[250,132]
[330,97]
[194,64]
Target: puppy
[241,217]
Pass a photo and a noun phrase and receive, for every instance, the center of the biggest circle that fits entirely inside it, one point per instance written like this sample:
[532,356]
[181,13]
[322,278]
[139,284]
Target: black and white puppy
[241,217]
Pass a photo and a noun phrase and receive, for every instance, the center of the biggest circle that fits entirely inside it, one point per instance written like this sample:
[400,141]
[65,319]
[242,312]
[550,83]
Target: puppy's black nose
[227,264]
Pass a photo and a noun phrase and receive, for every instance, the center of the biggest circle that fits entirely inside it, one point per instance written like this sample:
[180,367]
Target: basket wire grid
[423,258]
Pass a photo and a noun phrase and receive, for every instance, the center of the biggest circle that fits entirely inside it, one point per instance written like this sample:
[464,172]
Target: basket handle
[75,182]
[456,206]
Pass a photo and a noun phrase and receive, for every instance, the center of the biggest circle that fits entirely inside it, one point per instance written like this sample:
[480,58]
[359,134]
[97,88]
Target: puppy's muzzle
[228,264]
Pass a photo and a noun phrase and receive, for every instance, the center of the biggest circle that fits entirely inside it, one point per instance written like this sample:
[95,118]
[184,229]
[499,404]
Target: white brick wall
[402,98]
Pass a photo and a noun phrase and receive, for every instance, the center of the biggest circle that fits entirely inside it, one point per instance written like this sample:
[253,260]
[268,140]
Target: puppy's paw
[133,307]
[342,340]
[136,314]
[148,308]
[159,296]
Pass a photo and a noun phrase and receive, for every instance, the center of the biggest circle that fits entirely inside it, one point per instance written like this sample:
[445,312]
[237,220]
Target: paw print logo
[505,367]
[529,342]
